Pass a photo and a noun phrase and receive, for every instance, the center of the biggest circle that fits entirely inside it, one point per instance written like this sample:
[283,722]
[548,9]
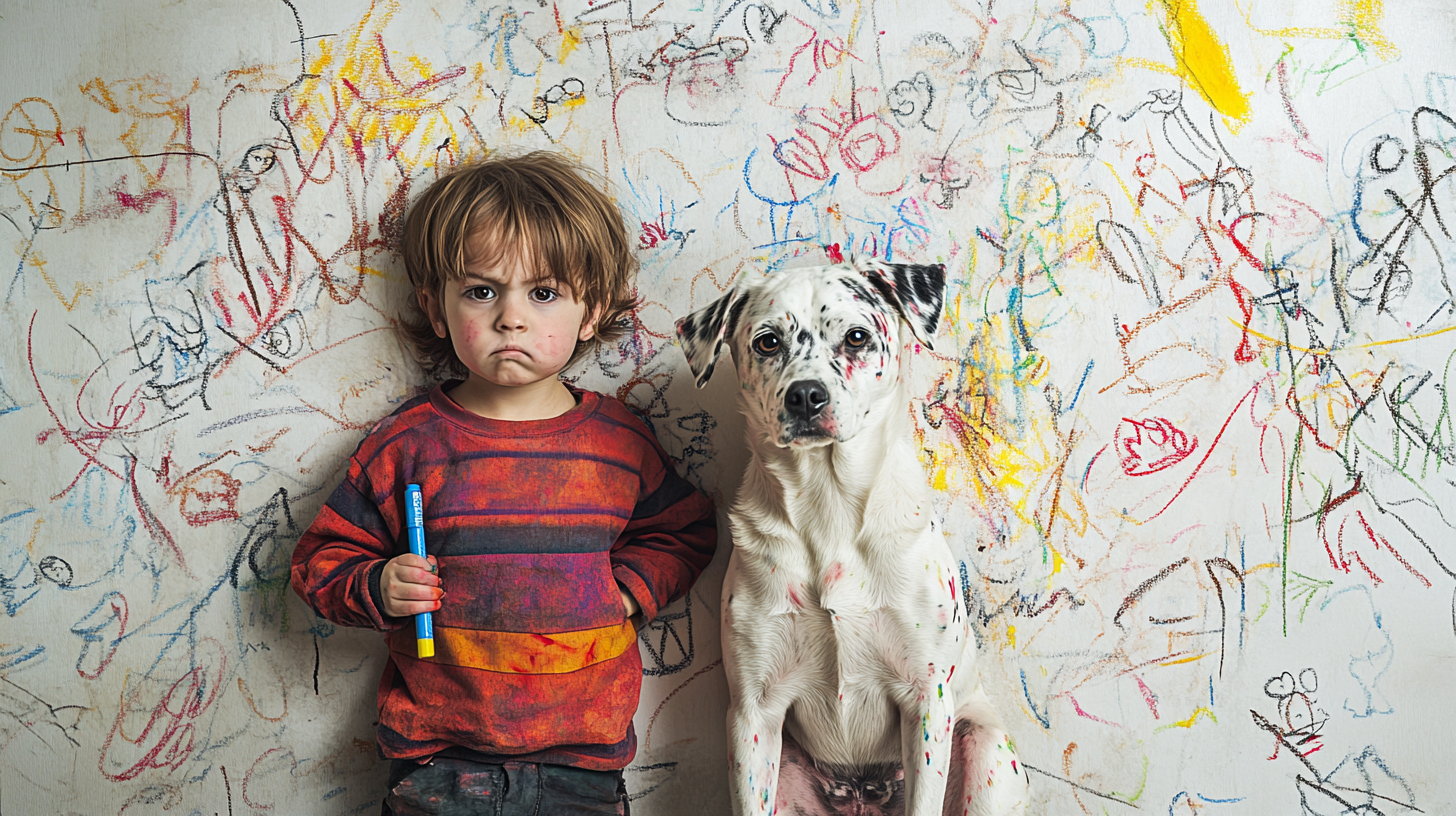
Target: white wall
[1159,512]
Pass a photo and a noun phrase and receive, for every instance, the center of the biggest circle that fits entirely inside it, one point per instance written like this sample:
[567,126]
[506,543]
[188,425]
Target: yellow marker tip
[425,648]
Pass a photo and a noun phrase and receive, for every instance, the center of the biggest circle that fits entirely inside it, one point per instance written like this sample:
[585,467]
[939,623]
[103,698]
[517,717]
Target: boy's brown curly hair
[541,205]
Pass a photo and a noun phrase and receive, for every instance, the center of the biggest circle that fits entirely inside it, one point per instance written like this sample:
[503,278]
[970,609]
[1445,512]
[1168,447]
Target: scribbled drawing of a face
[1302,719]
[816,350]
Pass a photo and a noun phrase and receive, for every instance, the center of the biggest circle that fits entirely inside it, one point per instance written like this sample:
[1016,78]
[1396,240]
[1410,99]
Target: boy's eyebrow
[473,276]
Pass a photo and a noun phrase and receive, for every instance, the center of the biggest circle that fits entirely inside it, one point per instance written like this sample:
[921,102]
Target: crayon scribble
[1188,425]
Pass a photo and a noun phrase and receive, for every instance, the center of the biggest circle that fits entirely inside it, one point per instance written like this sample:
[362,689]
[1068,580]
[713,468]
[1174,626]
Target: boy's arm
[338,561]
[669,540]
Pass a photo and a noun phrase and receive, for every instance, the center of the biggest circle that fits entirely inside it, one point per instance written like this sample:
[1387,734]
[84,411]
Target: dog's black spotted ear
[701,334]
[917,290]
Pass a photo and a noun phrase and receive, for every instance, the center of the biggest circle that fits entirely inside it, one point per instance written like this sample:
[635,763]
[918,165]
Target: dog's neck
[839,491]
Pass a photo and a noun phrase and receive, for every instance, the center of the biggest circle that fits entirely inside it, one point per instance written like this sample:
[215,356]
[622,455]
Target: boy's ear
[701,333]
[430,303]
[916,290]
[589,323]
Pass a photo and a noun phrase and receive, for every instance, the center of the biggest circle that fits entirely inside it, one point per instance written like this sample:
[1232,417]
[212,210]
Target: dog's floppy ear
[701,333]
[917,290]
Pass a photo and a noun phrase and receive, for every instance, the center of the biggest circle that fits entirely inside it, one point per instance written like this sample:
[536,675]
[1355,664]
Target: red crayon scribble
[1207,453]
[652,235]
[169,737]
[253,772]
[859,142]
[1150,445]
[89,446]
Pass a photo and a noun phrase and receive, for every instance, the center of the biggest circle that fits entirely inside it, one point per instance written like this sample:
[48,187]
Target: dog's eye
[766,344]
[856,338]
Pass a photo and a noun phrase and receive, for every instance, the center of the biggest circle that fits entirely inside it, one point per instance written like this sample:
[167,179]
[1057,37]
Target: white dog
[842,619]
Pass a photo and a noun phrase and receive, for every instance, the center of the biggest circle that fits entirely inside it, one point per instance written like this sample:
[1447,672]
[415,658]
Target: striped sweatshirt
[533,525]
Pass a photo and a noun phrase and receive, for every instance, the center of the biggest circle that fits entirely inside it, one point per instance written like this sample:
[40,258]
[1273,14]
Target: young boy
[552,516]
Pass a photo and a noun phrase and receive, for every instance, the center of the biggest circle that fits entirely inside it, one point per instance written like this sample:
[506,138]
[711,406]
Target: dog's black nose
[806,398]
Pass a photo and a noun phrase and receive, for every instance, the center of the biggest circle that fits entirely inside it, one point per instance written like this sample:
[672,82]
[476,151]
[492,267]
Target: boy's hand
[409,586]
[628,602]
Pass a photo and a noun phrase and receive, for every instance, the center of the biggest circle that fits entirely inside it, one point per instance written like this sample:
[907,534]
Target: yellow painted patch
[1011,635]
[1202,59]
[570,41]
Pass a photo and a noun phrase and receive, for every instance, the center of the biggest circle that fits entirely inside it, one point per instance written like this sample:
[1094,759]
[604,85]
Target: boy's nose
[512,315]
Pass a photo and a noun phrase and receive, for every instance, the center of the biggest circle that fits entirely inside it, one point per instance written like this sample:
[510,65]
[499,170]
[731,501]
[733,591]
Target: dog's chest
[867,612]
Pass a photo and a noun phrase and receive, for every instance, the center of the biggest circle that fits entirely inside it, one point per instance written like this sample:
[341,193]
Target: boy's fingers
[414,592]
[416,608]
[412,560]
[412,569]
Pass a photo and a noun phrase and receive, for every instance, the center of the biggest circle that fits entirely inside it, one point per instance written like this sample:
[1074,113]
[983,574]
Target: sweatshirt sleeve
[669,540]
[337,562]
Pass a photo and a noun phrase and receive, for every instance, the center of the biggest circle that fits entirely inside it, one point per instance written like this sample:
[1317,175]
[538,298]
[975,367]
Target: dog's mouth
[807,434]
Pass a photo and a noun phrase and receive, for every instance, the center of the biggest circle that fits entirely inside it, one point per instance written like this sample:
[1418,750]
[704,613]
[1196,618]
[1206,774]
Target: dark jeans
[459,787]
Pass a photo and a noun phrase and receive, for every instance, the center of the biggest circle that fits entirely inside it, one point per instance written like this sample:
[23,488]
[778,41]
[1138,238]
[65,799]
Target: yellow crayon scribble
[393,105]
[1357,19]
[1057,562]
[1316,351]
[1188,723]
[1188,659]
[1202,59]
[570,41]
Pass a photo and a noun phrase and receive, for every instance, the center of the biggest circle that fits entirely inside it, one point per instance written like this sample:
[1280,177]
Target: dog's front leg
[762,665]
[756,740]
[926,727]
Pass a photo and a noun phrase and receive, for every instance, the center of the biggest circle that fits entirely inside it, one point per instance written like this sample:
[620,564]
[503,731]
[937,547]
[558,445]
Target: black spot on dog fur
[861,291]
[916,290]
[735,313]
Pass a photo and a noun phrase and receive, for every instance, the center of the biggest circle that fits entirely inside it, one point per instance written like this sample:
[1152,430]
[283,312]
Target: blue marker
[414,512]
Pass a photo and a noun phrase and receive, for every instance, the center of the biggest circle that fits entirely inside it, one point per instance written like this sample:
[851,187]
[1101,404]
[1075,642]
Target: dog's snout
[806,398]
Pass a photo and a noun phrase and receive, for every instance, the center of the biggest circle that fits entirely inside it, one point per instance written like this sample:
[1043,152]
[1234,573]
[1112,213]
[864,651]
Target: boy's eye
[480,293]
[541,294]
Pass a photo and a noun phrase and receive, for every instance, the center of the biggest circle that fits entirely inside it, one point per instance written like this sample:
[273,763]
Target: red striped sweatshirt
[533,525]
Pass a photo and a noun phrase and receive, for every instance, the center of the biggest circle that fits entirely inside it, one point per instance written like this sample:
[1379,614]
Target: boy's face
[508,328]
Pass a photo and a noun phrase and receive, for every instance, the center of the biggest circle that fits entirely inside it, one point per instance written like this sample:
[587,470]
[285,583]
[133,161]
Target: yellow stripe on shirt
[521,652]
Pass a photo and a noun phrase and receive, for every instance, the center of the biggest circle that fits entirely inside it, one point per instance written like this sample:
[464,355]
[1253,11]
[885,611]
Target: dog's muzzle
[806,415]
[806,399]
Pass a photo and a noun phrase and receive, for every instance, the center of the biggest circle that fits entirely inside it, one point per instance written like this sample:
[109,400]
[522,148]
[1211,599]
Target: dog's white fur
[843,621]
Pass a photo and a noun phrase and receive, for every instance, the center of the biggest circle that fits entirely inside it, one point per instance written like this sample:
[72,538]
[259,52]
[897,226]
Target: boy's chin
[512,372]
